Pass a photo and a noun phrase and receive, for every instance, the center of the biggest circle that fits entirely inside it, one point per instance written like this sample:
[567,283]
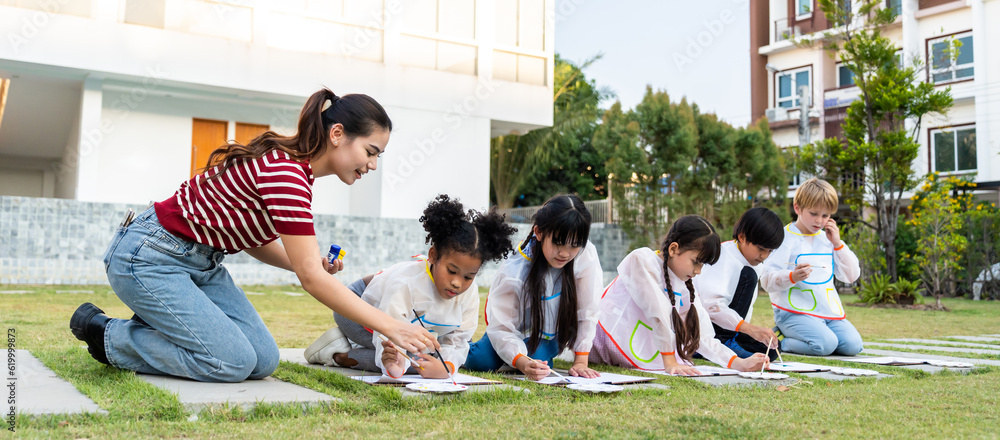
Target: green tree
[938,223]
[553,159]
[878,144]
[666,159]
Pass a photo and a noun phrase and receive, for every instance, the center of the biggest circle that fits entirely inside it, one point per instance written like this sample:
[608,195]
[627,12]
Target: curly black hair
[450,228]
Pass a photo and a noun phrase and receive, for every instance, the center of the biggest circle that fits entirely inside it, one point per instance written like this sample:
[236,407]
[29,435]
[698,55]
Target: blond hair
[816,193]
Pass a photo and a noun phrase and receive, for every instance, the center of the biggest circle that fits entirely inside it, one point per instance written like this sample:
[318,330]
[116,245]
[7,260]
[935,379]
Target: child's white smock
[405,287]
[507,306]
[816,295]
[716,285]
[635,314]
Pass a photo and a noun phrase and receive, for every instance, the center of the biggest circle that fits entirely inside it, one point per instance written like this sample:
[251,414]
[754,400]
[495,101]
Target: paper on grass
[797,367]
[887,360]
[462,379]
[705,370]
[610,378]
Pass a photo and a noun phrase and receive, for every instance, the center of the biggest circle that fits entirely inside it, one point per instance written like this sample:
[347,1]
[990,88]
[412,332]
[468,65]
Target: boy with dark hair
[728,288]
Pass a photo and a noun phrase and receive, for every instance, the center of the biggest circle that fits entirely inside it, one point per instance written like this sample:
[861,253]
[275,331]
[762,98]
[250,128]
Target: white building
[118,100]
[965,142]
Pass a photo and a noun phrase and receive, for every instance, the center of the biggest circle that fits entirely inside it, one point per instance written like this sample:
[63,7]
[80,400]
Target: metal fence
[600,212]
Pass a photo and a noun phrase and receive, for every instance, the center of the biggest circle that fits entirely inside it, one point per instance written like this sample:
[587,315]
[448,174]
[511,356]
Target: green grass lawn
[912,404]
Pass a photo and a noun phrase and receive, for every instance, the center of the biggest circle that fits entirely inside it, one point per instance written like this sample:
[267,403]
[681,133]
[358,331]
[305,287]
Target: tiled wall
[59,241]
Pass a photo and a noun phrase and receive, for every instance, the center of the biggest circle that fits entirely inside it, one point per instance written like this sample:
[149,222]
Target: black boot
[88,324]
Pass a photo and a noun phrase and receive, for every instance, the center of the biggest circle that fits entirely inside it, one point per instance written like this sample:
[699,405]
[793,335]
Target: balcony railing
[834,98]
[783,31]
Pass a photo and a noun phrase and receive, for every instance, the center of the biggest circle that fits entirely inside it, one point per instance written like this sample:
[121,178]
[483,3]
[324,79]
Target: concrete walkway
[40,391]
[932,347]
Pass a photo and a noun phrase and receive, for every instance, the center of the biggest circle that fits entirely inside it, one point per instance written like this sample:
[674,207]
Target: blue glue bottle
[335,253]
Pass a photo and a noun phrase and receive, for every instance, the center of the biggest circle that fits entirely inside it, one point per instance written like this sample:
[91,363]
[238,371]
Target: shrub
[880,290]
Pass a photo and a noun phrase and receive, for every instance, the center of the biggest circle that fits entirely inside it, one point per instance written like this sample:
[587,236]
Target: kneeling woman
[651,318]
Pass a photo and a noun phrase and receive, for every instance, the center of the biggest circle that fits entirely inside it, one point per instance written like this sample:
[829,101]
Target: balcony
[783,31]
[841,97]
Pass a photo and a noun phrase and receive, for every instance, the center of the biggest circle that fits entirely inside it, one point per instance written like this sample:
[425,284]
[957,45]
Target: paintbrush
[765,355]
[811,265]
[382,337]
[438,353]
[560,376]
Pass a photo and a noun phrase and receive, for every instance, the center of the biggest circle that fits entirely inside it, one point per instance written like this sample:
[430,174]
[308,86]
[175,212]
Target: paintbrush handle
[438,353]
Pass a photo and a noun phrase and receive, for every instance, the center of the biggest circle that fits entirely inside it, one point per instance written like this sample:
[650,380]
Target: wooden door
[246,132]
[206,136]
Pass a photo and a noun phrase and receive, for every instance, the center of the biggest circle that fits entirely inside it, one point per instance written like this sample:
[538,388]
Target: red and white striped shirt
[245,207]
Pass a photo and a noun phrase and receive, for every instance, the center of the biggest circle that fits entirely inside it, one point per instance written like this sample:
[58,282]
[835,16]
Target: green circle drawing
[833,304]
[800,308]
[632,338]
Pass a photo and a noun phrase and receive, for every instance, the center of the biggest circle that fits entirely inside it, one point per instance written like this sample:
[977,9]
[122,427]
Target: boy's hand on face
[833,232]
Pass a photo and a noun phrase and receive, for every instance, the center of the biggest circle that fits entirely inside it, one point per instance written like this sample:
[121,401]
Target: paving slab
[983,338]
[906,354]
[297,356]
[933,347]
[196,396]
[40,391]
[940,342]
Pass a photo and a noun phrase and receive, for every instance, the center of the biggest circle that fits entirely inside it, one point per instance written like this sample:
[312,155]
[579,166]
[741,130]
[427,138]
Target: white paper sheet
[705,370]
[797,367]
[463,379]
[611,378]
[888,361]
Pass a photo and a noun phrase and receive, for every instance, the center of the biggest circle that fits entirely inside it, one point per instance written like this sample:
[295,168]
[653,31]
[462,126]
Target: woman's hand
[332,268]
[411,337]
[534,370]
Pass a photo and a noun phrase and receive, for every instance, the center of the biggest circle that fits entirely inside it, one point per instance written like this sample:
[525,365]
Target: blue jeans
[806,334]
[482,356]
[197,323]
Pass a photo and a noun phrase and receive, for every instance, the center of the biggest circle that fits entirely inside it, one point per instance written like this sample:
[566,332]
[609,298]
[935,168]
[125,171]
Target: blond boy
[799,276]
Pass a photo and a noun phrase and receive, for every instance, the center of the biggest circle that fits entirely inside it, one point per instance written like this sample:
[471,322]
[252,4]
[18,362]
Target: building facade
[965,142]
[119,101]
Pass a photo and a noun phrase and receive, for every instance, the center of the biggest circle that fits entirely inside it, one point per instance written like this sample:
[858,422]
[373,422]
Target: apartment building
[121,100]
[965,142]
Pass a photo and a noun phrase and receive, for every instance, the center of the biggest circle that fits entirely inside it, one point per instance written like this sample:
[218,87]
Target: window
[788,83]
[895,5]
[954,149]
[951,58]
[803,9]
[845,78]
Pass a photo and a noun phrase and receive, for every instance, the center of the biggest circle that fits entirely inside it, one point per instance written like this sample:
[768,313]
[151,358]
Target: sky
[697,49]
